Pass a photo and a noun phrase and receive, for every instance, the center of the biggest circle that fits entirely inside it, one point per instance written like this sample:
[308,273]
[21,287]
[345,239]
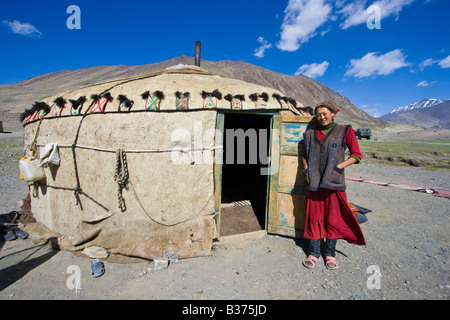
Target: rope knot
[77,193]
[121,176]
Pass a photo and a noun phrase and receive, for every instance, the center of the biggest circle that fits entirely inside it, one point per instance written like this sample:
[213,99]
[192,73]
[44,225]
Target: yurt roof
[165,86]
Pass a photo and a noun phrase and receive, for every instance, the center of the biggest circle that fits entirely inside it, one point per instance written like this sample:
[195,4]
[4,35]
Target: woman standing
[327,212]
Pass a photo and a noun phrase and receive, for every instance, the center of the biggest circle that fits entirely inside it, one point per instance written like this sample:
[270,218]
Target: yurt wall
[165,188]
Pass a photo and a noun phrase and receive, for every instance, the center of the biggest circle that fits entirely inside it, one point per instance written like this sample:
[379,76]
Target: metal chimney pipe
[197,53]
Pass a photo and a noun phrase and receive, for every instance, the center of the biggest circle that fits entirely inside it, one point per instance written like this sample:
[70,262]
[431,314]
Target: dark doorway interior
[244,188]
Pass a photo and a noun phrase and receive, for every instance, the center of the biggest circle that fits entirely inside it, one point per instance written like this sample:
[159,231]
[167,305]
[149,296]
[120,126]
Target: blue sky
[380,54]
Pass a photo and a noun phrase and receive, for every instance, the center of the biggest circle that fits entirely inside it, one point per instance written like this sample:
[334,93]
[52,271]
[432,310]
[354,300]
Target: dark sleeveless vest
[323,157]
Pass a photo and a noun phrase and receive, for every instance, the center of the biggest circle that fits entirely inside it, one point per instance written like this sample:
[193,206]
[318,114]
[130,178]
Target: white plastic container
[30,170]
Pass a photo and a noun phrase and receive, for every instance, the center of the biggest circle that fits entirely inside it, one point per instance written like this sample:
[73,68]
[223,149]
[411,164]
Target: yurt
[166,162]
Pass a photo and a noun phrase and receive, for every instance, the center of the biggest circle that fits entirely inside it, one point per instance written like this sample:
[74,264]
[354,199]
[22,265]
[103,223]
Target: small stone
[96,252]
[160,263]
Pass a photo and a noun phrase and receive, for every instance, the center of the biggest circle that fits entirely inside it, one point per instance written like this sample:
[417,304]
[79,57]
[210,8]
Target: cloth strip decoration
[38,110]
[100,102]
[74,111]
[77,105]
[236,101]
[125,103]
[123,107]
[152,103]
[152,100]
[288,103]
[56,111]
[236,104]
[259,104]
[284,104]
[30,117]
[38,114]
[210,99]
[182,100]
[210,103]
[283,101]
[100,105]
[58,107]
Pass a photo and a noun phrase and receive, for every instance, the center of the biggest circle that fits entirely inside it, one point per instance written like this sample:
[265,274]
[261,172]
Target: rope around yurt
[121,177]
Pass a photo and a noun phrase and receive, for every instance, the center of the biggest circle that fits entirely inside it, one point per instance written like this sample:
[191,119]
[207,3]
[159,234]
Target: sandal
[97,268]
[9,235]
[310,262]
[21,234]
[330,263]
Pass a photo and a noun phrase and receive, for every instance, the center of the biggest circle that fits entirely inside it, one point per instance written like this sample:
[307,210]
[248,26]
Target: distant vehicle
[363,133]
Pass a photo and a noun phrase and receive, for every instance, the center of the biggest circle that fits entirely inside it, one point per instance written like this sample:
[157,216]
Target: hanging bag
[30,169]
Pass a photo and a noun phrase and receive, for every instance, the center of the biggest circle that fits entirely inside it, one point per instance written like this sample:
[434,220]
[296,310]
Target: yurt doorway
[246,145]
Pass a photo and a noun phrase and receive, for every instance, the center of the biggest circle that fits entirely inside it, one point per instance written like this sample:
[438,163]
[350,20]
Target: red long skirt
[329,216]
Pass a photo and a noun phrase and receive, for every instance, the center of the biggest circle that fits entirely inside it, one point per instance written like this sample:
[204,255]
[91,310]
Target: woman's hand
[346,163]
[305,163]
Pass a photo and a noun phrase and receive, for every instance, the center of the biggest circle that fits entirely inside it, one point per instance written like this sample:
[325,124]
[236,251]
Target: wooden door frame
[218,159]
[276,222]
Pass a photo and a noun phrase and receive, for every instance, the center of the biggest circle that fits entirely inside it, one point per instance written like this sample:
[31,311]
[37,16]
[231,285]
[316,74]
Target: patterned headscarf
[327,104]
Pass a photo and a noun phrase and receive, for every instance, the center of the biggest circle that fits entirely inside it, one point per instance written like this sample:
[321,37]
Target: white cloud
[374,63]
[302,19]
[355,12]
[313,70]
[425,84]
[427,63]
[373,111]
[264,46]
[22,28]
[445,63]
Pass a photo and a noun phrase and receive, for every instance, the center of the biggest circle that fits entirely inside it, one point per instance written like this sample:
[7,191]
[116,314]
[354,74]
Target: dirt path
[407,240]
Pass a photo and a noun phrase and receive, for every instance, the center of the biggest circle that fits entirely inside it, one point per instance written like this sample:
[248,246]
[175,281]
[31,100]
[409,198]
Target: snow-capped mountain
[427,113]
[419,104]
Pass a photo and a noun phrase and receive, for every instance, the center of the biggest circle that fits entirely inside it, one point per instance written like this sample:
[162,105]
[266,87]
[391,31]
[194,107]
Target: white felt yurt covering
[167,200]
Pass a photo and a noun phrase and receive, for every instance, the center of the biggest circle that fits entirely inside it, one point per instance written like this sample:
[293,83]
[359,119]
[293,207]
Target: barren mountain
[434,115]
[16,97]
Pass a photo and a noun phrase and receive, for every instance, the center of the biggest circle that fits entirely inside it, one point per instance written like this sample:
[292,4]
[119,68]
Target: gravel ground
[407,242]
